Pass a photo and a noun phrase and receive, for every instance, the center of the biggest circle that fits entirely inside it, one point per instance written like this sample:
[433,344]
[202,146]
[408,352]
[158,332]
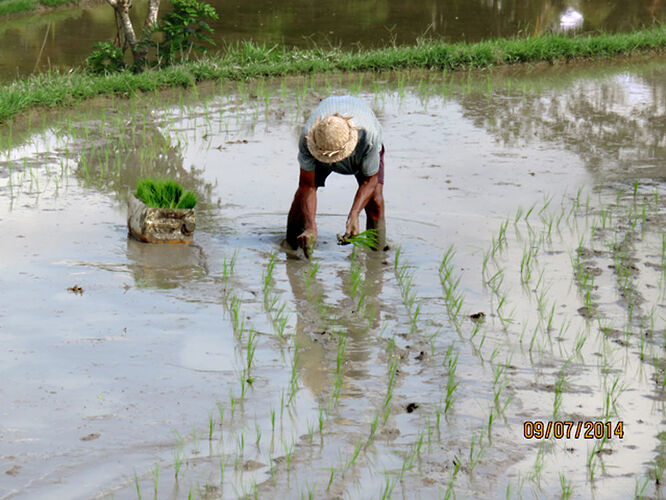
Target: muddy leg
[295,226]
[374,213]
[301,216]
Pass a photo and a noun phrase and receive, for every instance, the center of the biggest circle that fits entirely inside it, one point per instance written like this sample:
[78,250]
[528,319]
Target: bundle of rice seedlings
[164,193]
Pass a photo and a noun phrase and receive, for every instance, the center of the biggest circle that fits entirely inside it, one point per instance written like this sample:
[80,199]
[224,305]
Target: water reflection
[64,38]
[571,20]
[616,123]
[165,266]
[115,154]
[318,319]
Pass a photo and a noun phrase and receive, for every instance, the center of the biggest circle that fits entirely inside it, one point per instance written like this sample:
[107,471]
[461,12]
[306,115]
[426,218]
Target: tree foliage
[183,30]
[104,59]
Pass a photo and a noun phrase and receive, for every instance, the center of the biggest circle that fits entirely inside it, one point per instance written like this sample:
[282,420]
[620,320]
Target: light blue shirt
[365,158]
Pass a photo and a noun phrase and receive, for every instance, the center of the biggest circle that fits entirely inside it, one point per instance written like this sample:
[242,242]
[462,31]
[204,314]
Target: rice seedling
[611,396]
[518,216]
[310,491]
[293,382]
[178,461]
[339,374]
[244,380]
[506,320]
[527,262]
[228,267]
[387,489]
[373,428]
[566,488]
[237,320]
[267,281]
[355,274]
[476,451]
[491,417]
[272,420]
[484,267]
[310,273]
[451,362]
[240,445]
[220,411]
[497,245]
[222,468]
[280,320]
[289,454]
[495,282]
[392,372]
[331,477]
[581,338]
[452,298]
[640,485]
[156,478]
[251,348]
[659,462]
[160,193]
[405,280]
[528,213]
[538,464]
[137,485]
[354,456]
[560,385]
[233,401]
[450,493]
[257,429]
[195,441]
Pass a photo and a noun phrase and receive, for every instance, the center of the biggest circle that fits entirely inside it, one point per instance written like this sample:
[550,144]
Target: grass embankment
[17,6]
[247,60]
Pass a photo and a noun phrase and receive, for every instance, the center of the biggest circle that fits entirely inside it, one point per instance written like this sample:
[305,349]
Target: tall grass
[248,60]
[16,6]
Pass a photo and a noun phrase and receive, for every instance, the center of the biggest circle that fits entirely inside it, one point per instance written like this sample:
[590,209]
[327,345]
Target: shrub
[185,29]
[105,59]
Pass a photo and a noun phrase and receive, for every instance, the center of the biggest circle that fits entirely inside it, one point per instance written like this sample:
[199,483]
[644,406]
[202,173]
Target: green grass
[19,6]
[247,60]
[164,194]
[15,6]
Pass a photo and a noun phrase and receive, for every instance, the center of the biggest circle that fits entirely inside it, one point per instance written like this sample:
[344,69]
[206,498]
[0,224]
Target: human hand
[306,241]
[351,229]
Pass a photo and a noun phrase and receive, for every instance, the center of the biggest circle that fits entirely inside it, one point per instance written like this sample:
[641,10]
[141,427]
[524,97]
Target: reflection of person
[342,135]
[319,318]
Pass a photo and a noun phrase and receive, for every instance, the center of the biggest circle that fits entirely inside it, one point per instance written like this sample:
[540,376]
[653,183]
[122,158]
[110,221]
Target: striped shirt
[365,158]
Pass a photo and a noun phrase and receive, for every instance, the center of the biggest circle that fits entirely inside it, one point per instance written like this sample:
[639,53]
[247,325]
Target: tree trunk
[151,17]
[122,8]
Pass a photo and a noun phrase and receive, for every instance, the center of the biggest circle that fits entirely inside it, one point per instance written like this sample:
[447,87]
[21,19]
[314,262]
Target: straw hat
[332,139]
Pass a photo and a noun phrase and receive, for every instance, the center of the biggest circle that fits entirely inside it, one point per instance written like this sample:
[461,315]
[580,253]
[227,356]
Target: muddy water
[64,38]
[550,187]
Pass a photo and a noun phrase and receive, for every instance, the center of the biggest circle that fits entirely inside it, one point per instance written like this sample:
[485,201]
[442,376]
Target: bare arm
[301,225]
[363,194]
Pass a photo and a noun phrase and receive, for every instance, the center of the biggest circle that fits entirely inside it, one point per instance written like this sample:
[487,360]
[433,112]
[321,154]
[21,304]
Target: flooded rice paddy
[524,282]
[64,38]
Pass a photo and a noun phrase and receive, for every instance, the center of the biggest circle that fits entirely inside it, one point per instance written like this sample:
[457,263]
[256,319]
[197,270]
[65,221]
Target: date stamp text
[568,429]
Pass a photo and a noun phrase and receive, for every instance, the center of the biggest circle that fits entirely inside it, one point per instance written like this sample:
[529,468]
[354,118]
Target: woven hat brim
[332,156]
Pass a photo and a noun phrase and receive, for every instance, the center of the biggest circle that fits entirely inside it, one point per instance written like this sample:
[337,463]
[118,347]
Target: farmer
[342,135]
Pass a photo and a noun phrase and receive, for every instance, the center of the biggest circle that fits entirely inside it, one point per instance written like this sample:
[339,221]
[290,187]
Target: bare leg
[374,210]
[374,213]
[301,225]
